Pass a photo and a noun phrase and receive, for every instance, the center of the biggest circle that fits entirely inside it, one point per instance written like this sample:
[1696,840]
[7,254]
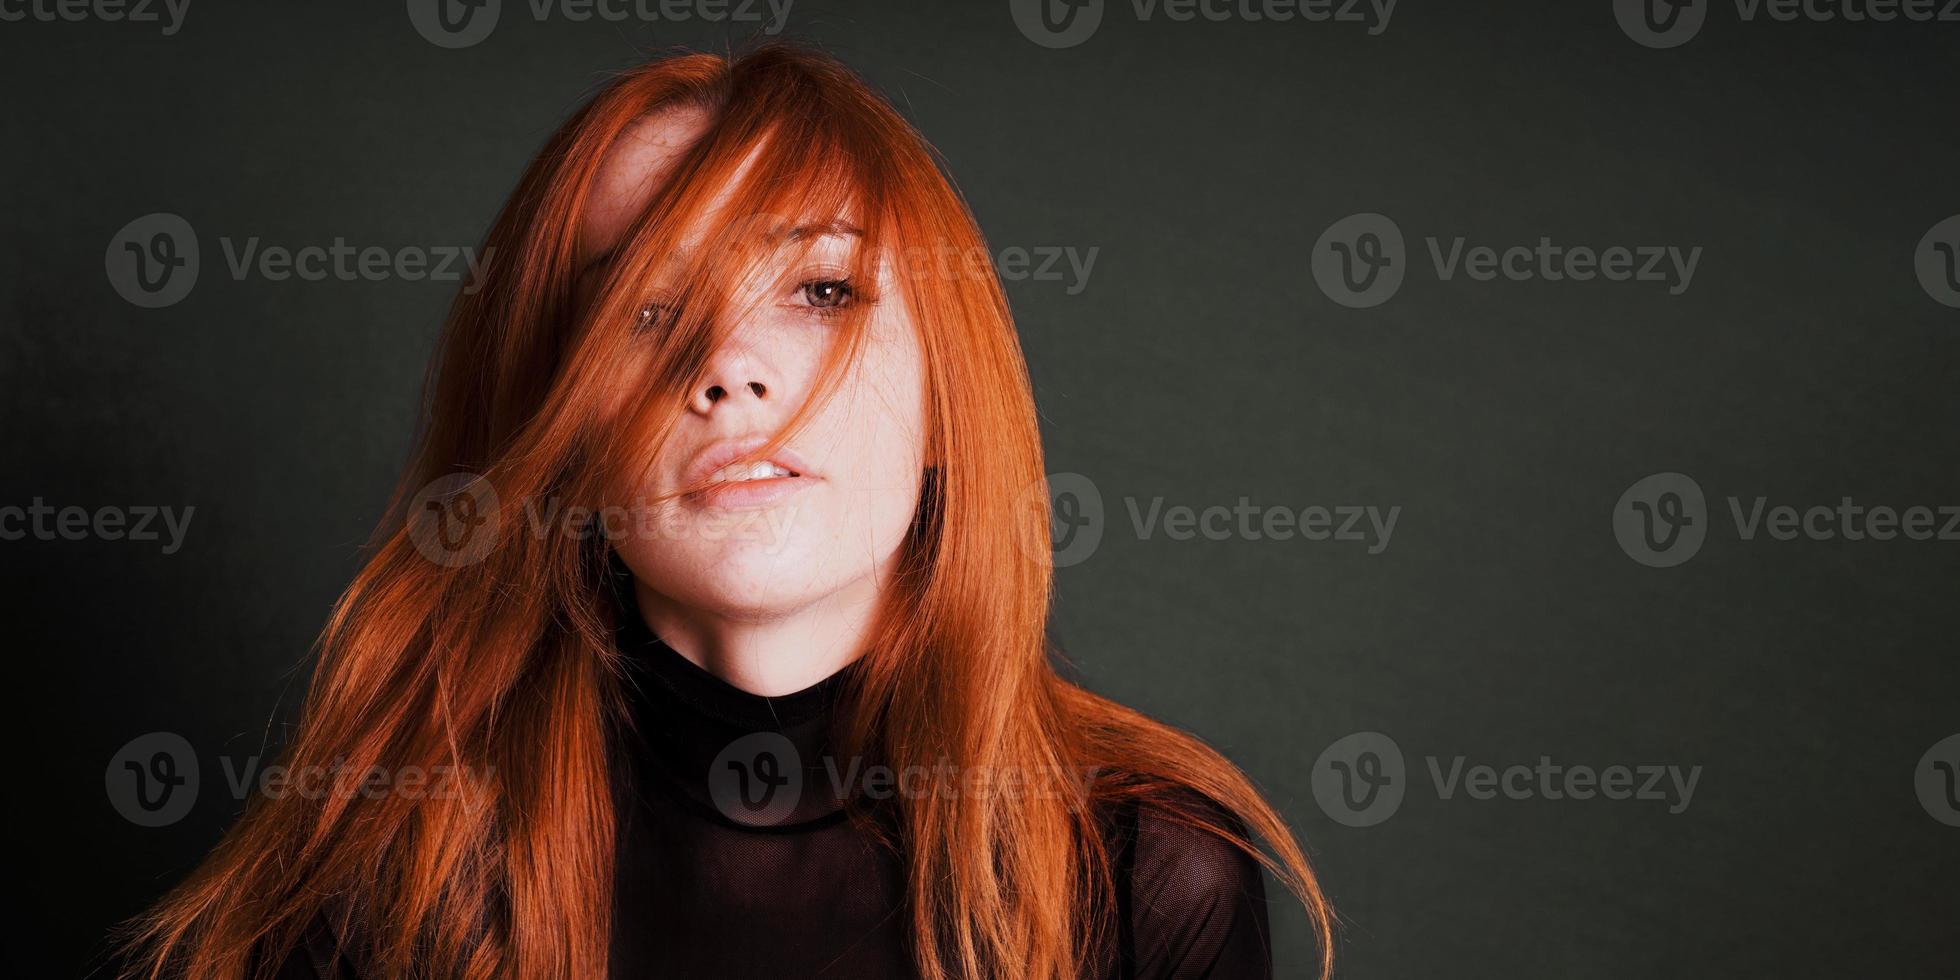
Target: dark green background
[1200,364]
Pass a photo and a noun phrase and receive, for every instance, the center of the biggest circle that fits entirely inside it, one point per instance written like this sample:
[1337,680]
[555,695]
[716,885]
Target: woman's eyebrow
[834,229]
[828,228]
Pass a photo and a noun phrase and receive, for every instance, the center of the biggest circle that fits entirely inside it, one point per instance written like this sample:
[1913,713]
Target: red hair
[503,669]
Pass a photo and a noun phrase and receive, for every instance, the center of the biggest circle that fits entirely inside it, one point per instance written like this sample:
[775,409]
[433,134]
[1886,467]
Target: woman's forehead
[639,164]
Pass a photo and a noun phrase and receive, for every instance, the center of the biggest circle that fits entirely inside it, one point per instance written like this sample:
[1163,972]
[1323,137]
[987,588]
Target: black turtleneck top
[738,861]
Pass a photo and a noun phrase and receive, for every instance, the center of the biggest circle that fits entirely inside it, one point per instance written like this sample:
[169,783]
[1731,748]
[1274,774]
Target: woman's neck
[770,655]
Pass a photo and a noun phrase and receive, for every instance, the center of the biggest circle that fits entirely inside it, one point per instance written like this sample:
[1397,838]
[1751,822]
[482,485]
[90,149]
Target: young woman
[713,644]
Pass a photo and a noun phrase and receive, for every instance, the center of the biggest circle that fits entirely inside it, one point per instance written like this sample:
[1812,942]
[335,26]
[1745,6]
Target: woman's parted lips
[722,452]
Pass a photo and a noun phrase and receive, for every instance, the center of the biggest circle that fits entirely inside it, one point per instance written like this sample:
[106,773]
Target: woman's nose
[734,376]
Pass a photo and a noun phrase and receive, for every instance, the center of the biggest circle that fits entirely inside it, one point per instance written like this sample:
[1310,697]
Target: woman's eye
[650,316]
[826,293]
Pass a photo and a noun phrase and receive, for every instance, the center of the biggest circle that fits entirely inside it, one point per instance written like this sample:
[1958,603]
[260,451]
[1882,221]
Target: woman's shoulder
[1195,900]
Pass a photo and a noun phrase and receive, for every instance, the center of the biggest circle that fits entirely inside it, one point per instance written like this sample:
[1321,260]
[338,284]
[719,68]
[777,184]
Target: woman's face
[822,521]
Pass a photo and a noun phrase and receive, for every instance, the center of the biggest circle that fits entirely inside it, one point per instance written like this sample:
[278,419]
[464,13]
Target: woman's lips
[743,494]
[730,477]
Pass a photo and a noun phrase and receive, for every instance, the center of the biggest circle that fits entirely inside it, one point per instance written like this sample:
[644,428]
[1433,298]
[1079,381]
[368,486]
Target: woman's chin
[739,580]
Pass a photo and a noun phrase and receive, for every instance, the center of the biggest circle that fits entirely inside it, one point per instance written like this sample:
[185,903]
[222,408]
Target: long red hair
[501,669]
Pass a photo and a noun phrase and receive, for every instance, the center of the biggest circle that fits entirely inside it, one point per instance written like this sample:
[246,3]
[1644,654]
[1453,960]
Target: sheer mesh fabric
[738,860]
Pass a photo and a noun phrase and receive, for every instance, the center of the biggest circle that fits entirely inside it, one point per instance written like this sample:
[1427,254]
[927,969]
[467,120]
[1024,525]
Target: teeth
[739,472]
